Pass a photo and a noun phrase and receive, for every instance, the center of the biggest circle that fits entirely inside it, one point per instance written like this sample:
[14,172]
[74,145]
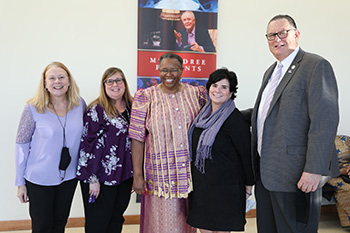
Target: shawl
[211,123]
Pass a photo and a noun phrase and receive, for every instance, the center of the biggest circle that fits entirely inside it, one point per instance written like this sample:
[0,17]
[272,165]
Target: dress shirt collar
[191,32]
[288,61]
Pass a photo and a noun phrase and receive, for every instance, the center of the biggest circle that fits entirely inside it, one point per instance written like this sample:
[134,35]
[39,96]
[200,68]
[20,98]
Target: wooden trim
[325,209]
[15,225]
[129,219]
[132,219]
[328,209]
[251,213]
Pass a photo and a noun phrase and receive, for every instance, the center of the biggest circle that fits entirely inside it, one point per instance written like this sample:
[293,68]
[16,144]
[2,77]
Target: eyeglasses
[110,82]
[281,34]
[172,71]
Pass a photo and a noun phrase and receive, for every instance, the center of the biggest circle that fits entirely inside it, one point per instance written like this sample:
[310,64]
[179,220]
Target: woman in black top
[221,163]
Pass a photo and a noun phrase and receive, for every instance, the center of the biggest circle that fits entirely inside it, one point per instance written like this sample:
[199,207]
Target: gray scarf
[211,125]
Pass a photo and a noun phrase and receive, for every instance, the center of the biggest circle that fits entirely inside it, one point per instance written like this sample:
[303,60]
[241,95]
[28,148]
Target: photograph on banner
[178,25]
[145,82]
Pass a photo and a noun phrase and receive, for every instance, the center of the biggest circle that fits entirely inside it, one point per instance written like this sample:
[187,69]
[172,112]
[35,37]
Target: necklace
[63,125]
[125,118]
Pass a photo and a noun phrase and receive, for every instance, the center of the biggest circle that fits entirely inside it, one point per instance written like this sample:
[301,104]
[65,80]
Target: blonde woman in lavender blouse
[55,110]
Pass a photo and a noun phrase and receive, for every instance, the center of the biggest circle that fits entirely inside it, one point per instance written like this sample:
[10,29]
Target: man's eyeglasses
[110,82]
[281,34]
[172,71]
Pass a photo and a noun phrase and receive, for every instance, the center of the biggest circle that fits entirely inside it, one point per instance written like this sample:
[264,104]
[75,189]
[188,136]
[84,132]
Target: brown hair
[105,101]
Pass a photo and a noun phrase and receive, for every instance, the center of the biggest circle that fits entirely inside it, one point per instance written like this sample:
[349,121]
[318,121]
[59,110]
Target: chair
[342,188]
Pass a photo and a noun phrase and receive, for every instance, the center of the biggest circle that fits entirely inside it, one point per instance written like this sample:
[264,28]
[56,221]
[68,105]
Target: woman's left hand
[248,191]
[22,194]
[94,189]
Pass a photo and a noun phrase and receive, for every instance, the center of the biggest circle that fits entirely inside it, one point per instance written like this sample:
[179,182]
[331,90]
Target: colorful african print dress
[161,121]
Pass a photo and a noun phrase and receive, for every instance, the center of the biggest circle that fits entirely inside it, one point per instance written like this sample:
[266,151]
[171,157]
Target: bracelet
[249,194]
[93,179]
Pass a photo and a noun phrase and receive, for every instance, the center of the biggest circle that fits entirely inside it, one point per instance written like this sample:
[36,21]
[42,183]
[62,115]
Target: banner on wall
[168,26]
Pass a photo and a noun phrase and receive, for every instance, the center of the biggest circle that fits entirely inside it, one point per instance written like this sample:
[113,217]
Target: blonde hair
[41,99]
[105,101]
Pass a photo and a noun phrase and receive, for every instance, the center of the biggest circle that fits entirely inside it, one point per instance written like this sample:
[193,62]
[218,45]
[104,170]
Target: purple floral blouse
[105,149]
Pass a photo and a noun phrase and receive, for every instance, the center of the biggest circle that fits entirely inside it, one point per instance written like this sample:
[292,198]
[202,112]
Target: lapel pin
[291,68]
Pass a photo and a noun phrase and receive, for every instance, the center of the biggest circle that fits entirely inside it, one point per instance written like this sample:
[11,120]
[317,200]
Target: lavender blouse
[105,149]
[39,143]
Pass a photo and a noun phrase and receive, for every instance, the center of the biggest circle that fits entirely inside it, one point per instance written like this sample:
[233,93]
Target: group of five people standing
[194,160]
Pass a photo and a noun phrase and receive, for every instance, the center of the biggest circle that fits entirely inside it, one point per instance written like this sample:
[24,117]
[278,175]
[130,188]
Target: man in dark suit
[193,38]
[294,123]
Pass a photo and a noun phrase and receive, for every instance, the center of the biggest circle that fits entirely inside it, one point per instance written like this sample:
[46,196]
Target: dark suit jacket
[301,124]
[202,38]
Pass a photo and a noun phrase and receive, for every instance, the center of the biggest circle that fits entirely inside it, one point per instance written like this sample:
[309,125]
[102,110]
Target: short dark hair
[287,17]
[224,73]
[171,56]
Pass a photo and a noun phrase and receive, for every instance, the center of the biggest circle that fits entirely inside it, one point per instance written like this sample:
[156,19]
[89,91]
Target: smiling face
[170,74]
[282,48]
[188,21]
[219,92]
[116,90]
[56,81]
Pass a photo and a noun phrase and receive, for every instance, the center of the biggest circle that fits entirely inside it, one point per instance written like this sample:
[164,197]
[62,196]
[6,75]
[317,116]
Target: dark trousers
[277,212]
[49,206]
[105,215]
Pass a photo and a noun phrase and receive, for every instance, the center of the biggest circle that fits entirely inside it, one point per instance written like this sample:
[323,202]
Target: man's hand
[309,182]
[196,47]
[178,36]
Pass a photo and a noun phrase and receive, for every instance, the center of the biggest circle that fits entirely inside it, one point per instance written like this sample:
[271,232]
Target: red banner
[195,65]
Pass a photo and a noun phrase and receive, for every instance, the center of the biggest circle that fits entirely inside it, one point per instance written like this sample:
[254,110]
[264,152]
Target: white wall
[90,36]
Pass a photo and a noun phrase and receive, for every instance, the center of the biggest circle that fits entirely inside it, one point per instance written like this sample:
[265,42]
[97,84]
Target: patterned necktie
[269,95]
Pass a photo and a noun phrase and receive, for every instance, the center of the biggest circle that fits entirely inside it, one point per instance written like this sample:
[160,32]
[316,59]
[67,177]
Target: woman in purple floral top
[105,167]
